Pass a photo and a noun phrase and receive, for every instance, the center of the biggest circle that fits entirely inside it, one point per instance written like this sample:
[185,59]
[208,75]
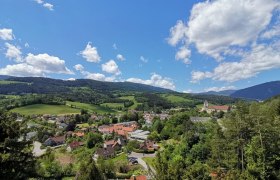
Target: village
[108,136]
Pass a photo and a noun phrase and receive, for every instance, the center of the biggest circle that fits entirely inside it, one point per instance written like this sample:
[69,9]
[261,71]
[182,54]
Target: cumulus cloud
[216,26]
[218,89]
[39,1]
[6,34]
[48,6]
[155,80]
[262,58]
[47,63]
[143,59]
[184,55]
[13,52]
[22,69]
[188,91]
[90,53]
[37,65]
[120,57]
[111,67]
[79,67]
[98,77]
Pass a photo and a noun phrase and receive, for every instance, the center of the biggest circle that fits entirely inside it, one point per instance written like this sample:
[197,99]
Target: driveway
[139,157]
[37,151]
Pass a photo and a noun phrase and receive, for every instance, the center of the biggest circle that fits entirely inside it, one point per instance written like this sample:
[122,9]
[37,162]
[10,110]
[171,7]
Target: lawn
[45,109]
[131,98]
[90,107]
[150,161]
[175,99]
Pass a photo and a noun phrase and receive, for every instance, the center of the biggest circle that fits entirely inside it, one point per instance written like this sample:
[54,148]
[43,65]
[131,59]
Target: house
[107,152]
[121,129]
[116,144]
[78,134]
[149,146]
[74,145]
[55,141]
[210,109]
[139,135]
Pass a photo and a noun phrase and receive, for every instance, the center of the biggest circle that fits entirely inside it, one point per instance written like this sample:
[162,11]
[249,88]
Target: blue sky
[185,45]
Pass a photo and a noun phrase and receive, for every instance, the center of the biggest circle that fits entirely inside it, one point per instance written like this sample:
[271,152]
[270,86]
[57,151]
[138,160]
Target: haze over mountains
[258,92]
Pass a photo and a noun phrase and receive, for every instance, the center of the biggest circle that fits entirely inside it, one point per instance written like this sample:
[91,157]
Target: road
[37,151]
[139,157]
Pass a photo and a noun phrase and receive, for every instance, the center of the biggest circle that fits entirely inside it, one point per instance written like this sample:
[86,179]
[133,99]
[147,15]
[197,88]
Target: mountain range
[258,92]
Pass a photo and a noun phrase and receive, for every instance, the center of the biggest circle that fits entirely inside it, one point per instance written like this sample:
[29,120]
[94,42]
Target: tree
[16,157]
[89,171]
[93,139]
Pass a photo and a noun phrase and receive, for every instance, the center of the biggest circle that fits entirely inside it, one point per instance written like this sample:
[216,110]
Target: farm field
[45,109]
[90,107]
[113,105]
[131,98]
[175,99]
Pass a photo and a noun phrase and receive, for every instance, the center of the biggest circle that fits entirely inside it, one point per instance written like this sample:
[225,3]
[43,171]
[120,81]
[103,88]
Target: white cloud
[261,58]
[155,80]
[216,26]
[39,1]
[22,69]
[115,46]
[143,59]
[177,33]
[47,63]
[198,76]
[6,34]
[90,53]
[79,67]
[98,77]
[218,89]
[275,31]
[26,45]
[37,65]
[71,79]
[111,67]
[13,52]
[183,54]
[120,57]
[48,6]
[188,91]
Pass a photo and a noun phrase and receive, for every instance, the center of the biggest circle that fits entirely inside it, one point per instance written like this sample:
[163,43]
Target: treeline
[244,145]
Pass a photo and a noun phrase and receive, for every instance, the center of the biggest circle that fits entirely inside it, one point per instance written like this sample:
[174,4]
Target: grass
[84,125]
[90,107]
[11,82]
[113,105]
[150,161]
[175,99]
[131,98]
[45,109]
[121,158]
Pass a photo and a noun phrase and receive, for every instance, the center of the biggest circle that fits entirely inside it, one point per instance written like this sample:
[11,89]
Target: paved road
[139,157]
[37,151]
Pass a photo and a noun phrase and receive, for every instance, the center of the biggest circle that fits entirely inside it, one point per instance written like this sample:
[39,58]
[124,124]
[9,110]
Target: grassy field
[113,105]
[90,107]
[45,109]
[131,98]
[175,99]
[149,161]
[11,82]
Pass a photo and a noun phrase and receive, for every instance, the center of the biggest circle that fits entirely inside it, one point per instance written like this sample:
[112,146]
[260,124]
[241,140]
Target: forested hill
[19,85]
[259,92]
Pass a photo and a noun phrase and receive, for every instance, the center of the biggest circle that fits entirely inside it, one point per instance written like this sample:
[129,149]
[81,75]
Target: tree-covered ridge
[244,145]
